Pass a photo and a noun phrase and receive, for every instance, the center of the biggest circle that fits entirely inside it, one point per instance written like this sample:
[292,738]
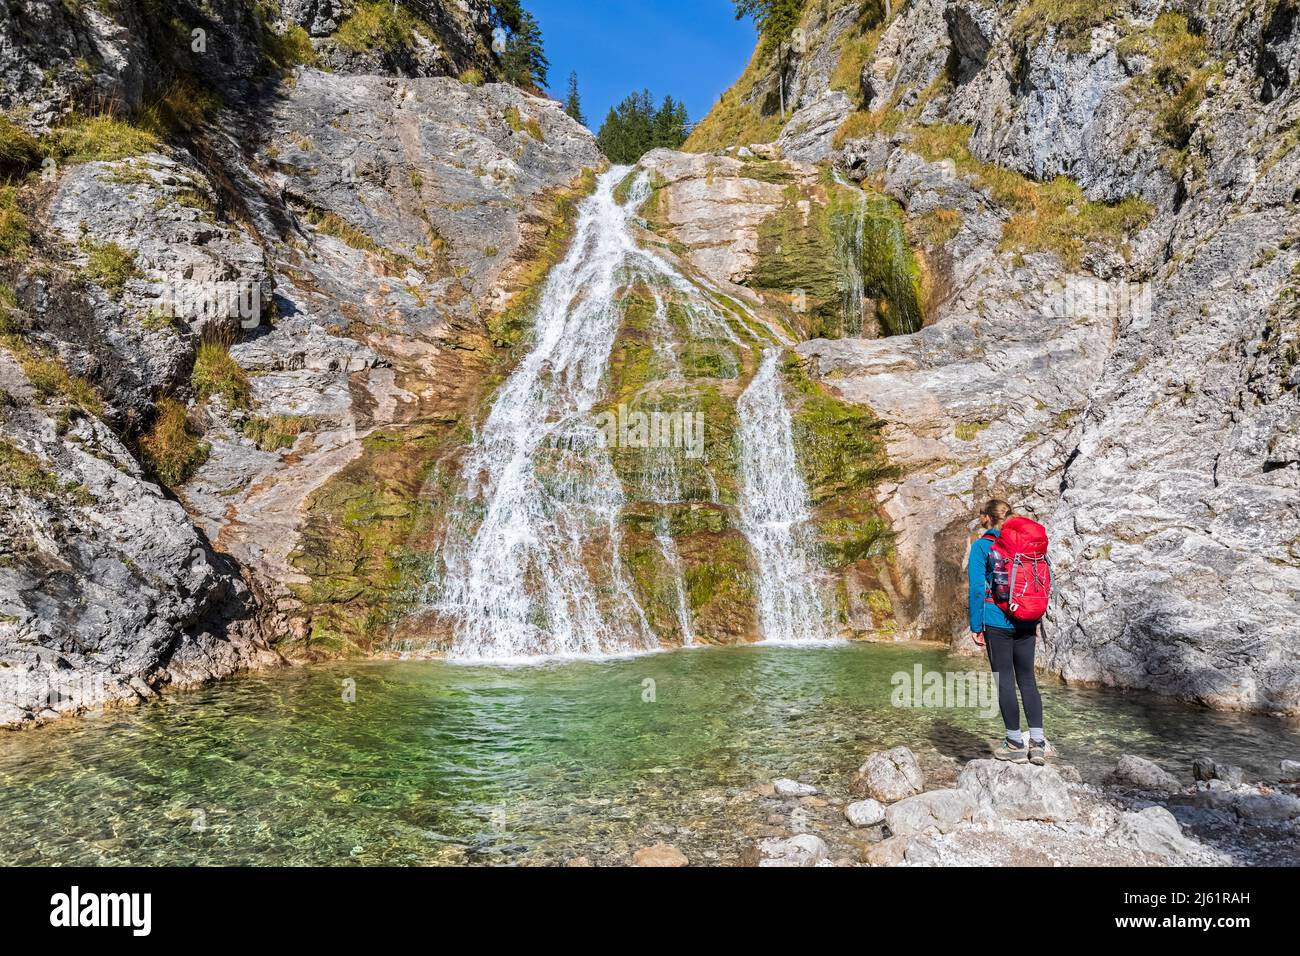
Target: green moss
[216,373]
[472,77]
[508,327]
[797,253]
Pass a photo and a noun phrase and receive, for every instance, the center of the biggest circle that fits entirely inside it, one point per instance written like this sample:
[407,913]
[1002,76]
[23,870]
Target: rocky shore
[993,813]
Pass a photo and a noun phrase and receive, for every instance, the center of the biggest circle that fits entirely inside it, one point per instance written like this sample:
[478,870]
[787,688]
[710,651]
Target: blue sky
[692,49]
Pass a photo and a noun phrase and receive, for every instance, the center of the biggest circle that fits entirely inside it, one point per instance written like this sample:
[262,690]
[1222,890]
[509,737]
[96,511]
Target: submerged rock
[1143,774]
[784,787]
[660,855]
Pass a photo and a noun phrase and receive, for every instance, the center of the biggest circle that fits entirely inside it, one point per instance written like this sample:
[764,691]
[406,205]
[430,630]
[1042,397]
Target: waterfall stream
[532,562]
[775,514]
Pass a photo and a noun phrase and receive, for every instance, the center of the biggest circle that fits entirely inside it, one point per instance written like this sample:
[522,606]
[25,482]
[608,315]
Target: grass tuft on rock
[19,150]
[15,237]
[217,373]
[1047,217]
[20,471]
[276,432]
[173,449]
[108,265]
[381,25]
[105,137]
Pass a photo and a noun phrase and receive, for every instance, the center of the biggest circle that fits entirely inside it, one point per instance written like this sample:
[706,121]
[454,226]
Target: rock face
[1137,394]
[888,776]
[317,279]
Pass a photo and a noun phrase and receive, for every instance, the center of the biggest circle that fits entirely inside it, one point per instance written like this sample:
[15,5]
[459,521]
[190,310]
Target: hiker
[1010,582]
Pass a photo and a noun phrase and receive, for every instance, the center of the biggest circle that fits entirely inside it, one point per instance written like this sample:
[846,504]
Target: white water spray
[775,516]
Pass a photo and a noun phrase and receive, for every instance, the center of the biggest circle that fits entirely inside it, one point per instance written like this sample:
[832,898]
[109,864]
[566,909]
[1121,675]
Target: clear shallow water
[447,763]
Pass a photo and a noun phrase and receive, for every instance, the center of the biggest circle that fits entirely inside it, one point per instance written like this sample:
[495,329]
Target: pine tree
[775,19]
[573,102]
[635,126]
[524,63]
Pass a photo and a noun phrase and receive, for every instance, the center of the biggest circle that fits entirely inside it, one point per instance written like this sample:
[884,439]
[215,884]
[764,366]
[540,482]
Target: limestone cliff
[1104,198]
[257,273]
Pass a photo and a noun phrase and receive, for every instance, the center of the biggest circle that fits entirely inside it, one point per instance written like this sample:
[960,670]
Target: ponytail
[997,511]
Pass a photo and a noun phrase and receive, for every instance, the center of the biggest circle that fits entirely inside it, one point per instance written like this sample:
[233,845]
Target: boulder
[1153,830]
[805,849]
[660,855]
[943,810]
[889,852]
[1290,770]
[792,788]
[888,775]
[1205,769]
[865,813]
[1018,791]
[1143,774]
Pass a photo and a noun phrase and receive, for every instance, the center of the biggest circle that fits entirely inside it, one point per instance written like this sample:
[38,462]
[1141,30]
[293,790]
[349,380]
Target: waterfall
[541,573]
[531,561]
[775,514]
[850,234]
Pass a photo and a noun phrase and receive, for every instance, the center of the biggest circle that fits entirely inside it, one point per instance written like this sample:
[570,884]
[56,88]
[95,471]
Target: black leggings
[1011,655]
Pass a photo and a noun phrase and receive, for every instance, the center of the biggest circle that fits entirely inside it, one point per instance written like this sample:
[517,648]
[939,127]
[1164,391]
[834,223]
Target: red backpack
[1020,570]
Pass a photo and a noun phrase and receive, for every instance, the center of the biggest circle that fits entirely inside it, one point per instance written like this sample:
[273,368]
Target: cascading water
[775,514]
[531,564]
[850,233]
[528,580]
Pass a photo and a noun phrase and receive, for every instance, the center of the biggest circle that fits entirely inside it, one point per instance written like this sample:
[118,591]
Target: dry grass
[108,265]
[1074,20]
[733,121]
[15,237]
[104,137]
[173,449]
[216,373]
[19,150]
[277,431]
[20,471]
[49,378]
[1049,217]
[380,24]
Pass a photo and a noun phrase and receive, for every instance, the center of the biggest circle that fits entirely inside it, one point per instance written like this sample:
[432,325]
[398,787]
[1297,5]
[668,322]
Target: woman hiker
[1010,646]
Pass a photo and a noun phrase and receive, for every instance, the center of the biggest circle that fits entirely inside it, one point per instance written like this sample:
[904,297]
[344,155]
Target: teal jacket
[983,612]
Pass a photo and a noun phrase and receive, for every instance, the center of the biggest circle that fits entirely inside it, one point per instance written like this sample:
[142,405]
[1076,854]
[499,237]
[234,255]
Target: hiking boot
[1038,752]
[1009,750]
